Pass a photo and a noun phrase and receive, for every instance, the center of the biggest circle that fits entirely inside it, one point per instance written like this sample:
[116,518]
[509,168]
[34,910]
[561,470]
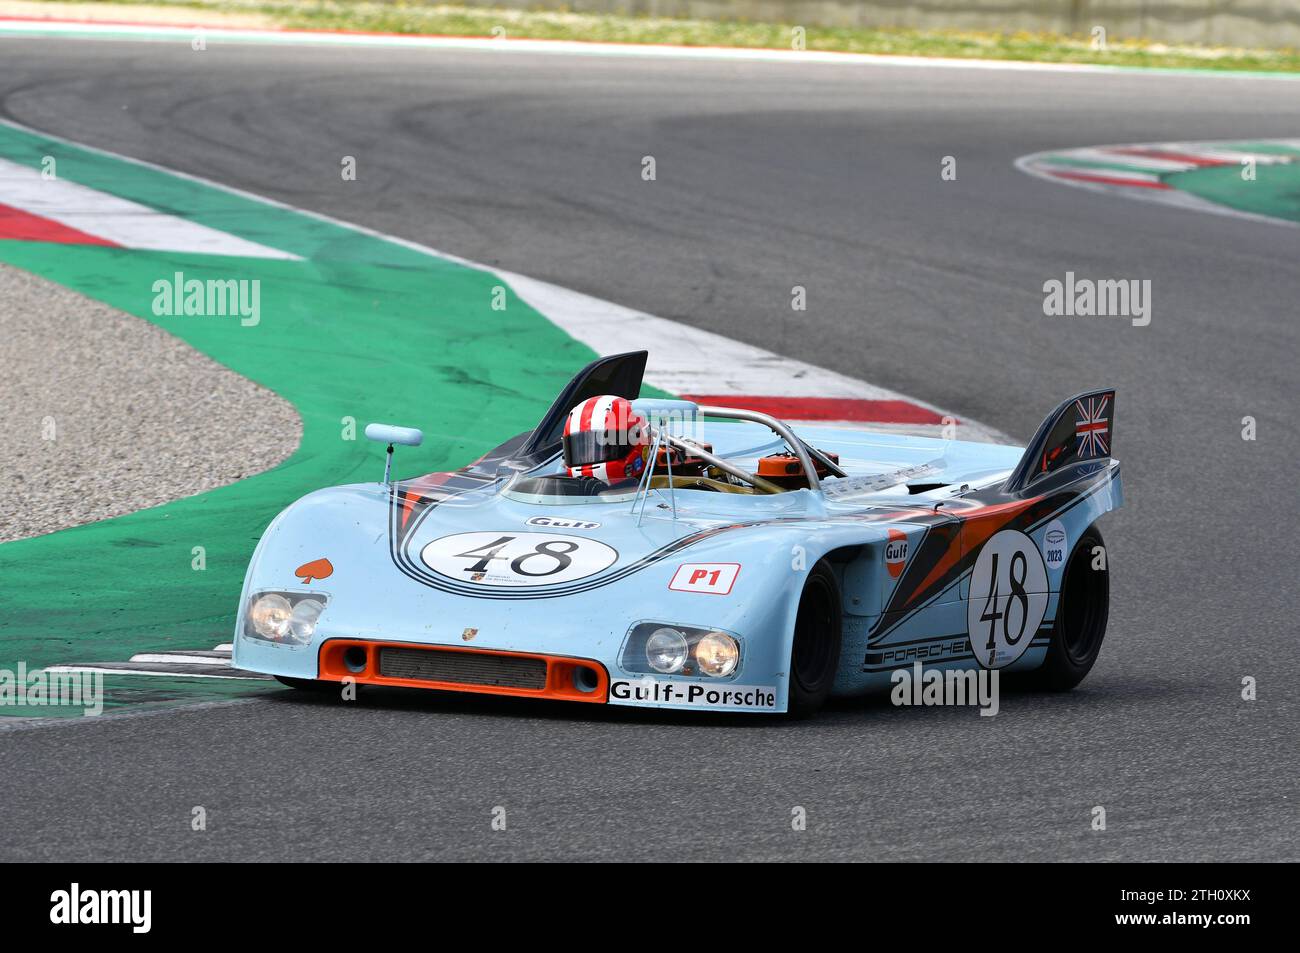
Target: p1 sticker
[896,552]
[1008,597]
[1056,544]
[716,579]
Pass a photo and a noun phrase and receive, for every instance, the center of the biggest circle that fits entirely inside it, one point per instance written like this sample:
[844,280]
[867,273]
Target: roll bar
[801,449]
[781,430]
[767,486]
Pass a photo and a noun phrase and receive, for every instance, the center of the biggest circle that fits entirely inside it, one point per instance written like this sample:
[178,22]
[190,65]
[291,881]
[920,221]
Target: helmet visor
[589,447]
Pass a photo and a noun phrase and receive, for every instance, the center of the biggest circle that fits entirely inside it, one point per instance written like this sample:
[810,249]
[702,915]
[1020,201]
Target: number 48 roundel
[516,559]
[1008,598]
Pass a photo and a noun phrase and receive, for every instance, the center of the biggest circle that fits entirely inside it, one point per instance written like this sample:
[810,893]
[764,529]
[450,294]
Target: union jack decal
[1092,426]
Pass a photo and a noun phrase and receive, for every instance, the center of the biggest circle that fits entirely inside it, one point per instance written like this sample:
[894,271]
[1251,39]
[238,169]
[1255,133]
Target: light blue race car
[743,567]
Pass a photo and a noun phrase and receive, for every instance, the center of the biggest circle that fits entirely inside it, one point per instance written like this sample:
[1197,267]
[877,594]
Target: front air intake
[463,668]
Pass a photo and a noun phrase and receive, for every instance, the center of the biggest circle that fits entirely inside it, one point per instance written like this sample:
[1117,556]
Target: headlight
[666,650]
[661,648]
[303,621]
[717,654]
[270,616]
[288,618]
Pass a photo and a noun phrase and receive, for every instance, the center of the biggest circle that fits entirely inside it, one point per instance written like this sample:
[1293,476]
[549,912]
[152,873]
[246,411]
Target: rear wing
[618,374]
[1078,431]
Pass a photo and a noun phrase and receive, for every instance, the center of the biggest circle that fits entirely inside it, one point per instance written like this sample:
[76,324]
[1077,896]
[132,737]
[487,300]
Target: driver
[606,439]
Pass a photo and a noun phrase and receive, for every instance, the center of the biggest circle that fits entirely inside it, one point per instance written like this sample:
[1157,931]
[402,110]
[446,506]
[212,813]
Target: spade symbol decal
[316,569]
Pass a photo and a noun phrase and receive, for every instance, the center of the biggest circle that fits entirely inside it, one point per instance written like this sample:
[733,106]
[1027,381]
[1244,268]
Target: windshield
[681,465]
[562,488]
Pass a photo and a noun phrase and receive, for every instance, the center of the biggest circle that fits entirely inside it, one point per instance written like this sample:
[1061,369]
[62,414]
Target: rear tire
[815,652]
[1081,615]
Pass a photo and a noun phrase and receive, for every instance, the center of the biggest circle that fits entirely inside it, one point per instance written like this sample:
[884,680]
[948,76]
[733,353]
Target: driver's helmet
[606,439]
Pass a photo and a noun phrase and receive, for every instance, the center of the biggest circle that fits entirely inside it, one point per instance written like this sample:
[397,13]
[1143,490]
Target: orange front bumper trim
[358,659]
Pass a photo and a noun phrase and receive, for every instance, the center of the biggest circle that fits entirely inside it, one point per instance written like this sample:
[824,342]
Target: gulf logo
[896,552]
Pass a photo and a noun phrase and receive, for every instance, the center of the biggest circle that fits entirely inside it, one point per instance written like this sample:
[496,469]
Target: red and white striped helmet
[606,439]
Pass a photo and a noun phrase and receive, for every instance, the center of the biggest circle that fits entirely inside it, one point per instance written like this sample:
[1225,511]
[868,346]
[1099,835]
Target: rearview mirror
[386,433]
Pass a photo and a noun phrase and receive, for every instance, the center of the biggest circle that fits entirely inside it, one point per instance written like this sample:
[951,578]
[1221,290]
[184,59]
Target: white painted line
[168,658]
[185,34]
[118,220]
[685,359]
[689,360]
[1059,171]
[1234,155]
[109,668]
[1139,162]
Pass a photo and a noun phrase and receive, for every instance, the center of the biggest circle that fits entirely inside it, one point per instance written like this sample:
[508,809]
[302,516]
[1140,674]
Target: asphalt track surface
[768,176]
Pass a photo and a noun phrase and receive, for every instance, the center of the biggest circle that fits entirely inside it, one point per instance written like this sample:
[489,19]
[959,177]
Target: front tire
[815,652]
[1081,615]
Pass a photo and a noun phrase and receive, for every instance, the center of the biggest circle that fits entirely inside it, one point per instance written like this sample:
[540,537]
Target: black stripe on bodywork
[1038,513]
[873,662]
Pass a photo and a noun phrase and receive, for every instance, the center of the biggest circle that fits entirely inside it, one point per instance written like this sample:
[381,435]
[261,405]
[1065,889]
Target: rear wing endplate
[1078,431]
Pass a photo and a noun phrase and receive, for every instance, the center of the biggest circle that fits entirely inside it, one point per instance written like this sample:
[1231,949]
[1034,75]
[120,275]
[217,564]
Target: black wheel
[815,656]
[305,684]
[1081,615]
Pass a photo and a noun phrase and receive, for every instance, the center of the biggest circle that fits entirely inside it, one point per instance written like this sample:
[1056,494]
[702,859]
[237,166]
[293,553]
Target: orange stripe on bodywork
[977,526]
[408,504]
[414,491]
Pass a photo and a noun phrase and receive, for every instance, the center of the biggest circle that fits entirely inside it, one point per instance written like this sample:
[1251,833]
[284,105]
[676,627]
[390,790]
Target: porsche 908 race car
[659,553]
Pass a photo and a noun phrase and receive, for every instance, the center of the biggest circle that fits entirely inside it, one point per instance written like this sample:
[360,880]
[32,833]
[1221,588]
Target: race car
[659,553]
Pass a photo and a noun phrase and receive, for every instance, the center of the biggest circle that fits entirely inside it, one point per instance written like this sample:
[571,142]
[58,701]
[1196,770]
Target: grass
[425,18]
